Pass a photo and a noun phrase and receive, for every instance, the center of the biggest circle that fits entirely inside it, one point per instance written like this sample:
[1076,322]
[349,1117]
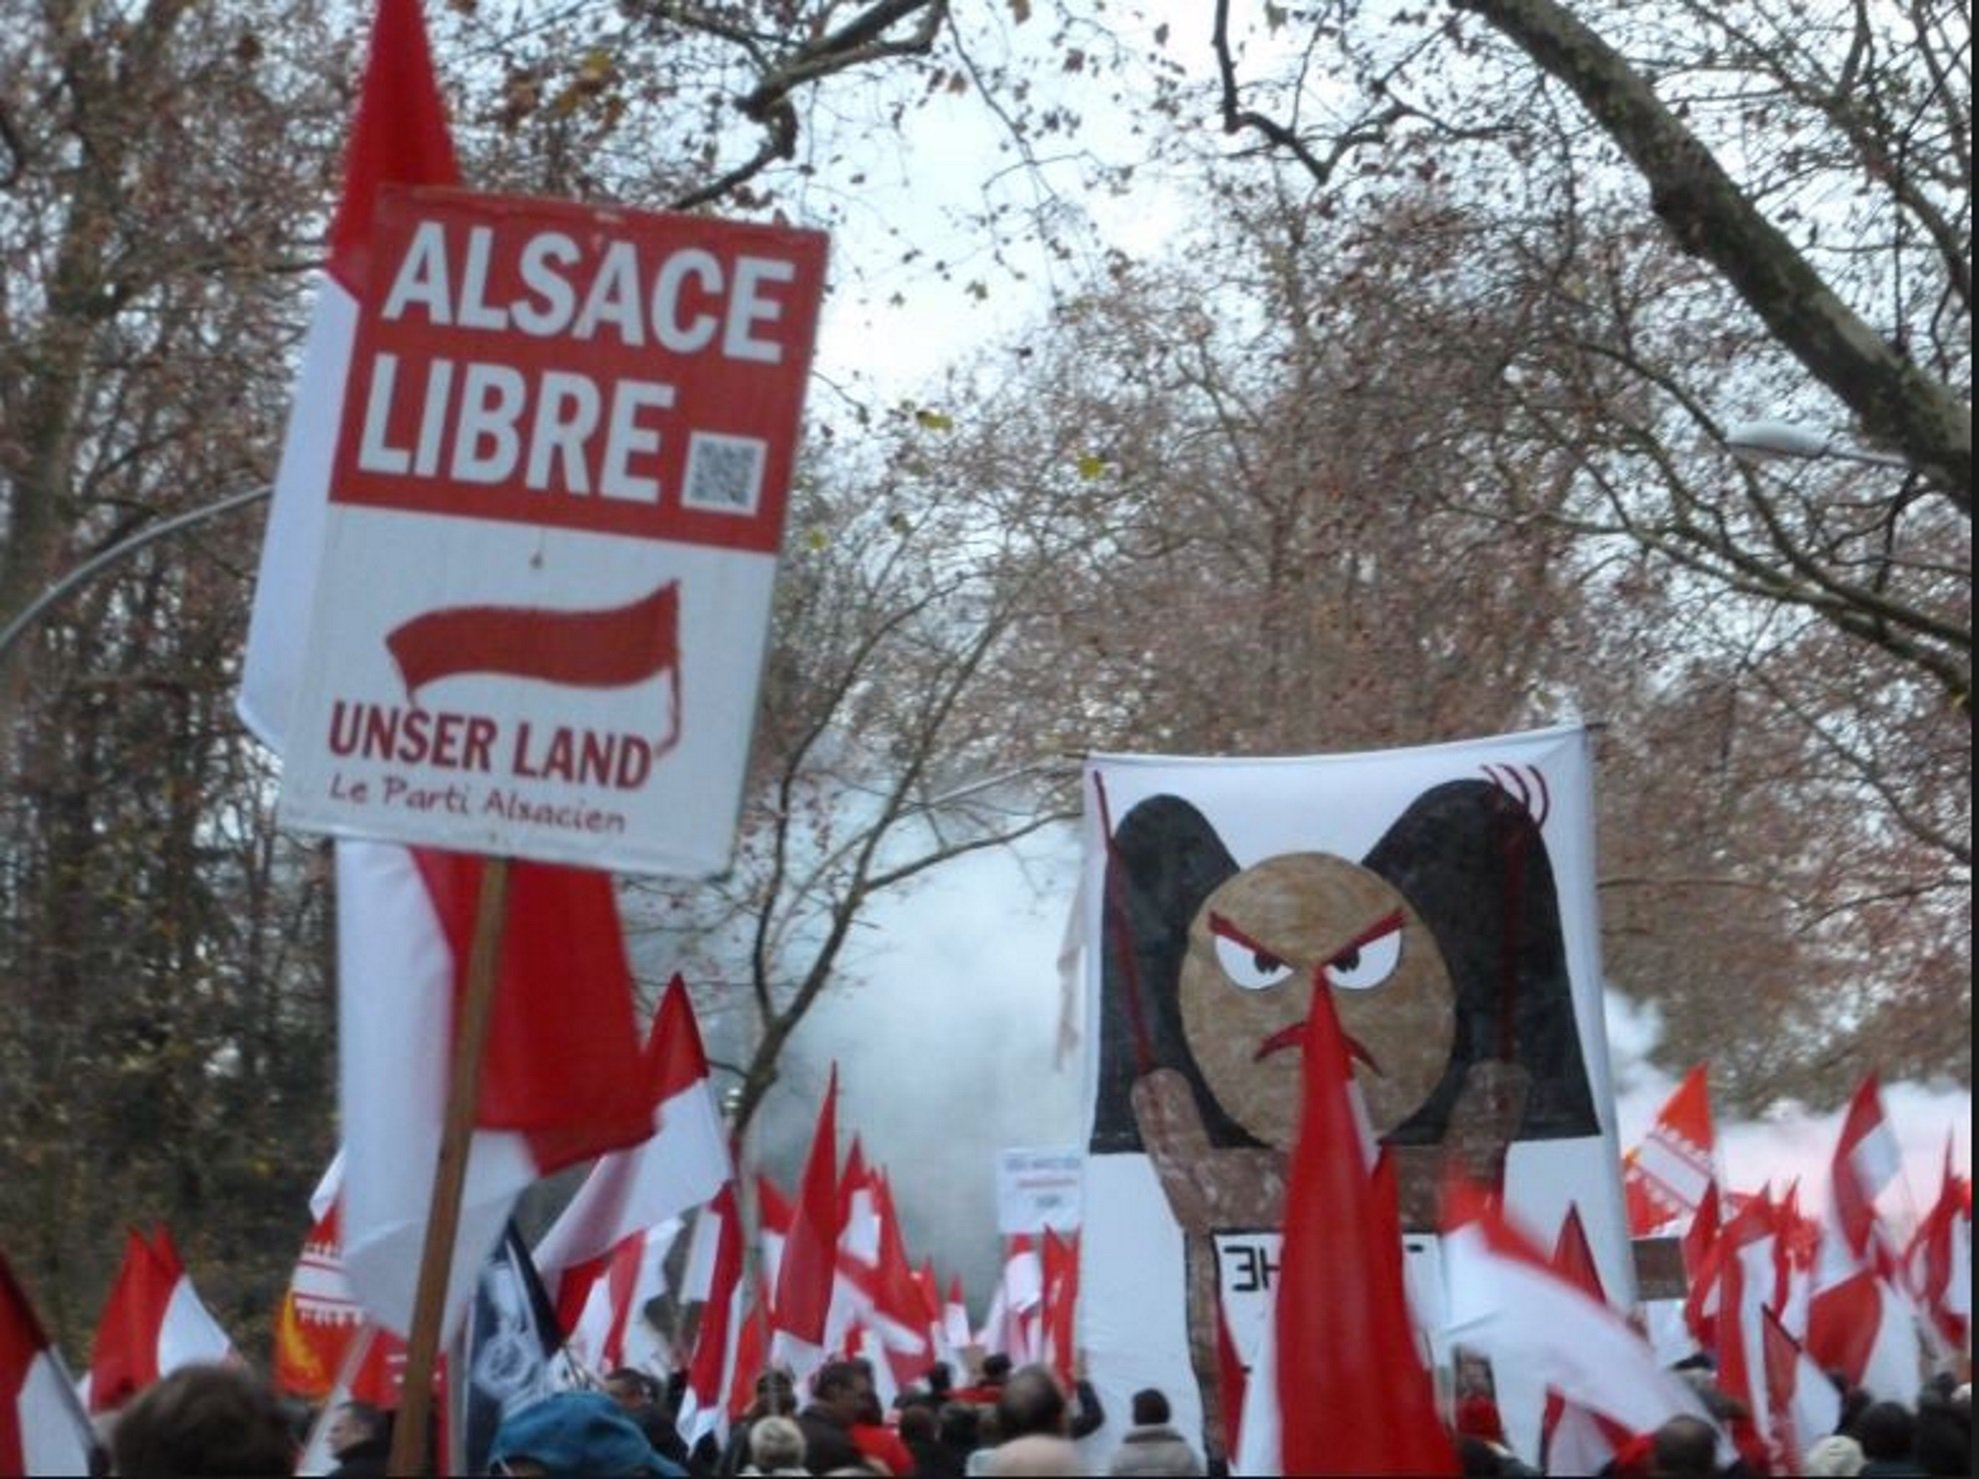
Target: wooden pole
[410,1454]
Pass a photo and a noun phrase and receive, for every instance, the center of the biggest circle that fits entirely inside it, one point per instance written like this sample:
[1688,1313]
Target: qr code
[724,473]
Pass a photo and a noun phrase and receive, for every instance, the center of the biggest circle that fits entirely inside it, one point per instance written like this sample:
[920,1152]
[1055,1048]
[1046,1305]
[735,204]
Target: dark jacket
[827,1442]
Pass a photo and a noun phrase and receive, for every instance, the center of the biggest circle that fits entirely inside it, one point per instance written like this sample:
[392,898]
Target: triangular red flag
[1352,1391]
[804,1279]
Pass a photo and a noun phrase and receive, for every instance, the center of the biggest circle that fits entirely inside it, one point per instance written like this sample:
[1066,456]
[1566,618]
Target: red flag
[1667,1175]
[42,1426]
[1802,1403]
[1061,1303]
[1512,1301]
[152,1324]
[1352,1393]
[1866,1160]
[1576,1440]
[1938,1262]
[711,1372]
[683,1164]
[804,1280]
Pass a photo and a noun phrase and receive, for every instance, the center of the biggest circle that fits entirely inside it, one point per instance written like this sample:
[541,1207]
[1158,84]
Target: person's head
[1836,1456]
[573,1433]
[1855,1402]
[918,1424]
[1682,1448]
[631,1388]
[776,1396]
[870,1413]
[1029,1403]
[1150,1408]
[941,1380]
[356,1423]
[1035,1453]
[996,1369]
[1885,1430]
[202,1420]
[1943,1441]
[840,1388]
[961,1426]
[776,1443]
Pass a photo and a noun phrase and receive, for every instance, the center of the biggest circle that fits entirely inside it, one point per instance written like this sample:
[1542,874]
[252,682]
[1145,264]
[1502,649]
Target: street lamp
[1761,441]
[123,549]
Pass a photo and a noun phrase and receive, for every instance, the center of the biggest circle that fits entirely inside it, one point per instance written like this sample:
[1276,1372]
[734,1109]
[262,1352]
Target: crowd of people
[221,1420]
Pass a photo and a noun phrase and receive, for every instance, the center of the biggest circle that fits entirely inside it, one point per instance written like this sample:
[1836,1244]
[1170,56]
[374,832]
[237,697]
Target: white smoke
[946,1046]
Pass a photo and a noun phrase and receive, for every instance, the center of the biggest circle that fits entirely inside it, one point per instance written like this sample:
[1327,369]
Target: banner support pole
[410,1453]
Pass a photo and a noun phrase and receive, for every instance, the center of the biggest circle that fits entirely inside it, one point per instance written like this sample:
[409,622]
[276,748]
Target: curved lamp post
[1762,441]
[17,626]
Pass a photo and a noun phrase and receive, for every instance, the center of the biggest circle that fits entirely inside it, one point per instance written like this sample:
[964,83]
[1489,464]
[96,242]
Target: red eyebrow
[1386,925]
[1218,925]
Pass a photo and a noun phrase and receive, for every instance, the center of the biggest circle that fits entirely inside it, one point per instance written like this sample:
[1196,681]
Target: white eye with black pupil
[1368,964]
[1248,968]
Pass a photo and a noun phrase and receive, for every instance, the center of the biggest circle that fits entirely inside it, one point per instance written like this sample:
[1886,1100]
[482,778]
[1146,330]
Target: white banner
[1039,1189]
[1445,895]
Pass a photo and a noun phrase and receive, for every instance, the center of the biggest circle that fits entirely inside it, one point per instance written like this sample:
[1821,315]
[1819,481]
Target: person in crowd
[1836,1456]
[202,1419]
[878,1444]
[776,1446]
[988,1384]
[576,1434]
[775,1397]
[1684,1448]
[1032,1402]
[920,1431]
[1151,1445]
[961,1431]
[1036,1453]
[639,1397]
[1887,1433]
[934,1389]
[837,1398]
[1944,1430]
[360,1440]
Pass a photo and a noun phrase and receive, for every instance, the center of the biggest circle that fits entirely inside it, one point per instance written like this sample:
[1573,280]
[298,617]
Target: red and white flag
[1577,1441]
[1351,1390]
[1747,1280]
[1867,1159]
[1060,1323]
[632,1192]
[1012,1326]
[1801,1403]
[319,1315]
[606,1325]
[1858,1321]
[1665,1177]
[902,1315]
[43,1429]
[856,1256]
[806,1272]
[774,1216]
[713,1276]
[955,1316]
[153,1323]
[1506,1298]
[1938,1261]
